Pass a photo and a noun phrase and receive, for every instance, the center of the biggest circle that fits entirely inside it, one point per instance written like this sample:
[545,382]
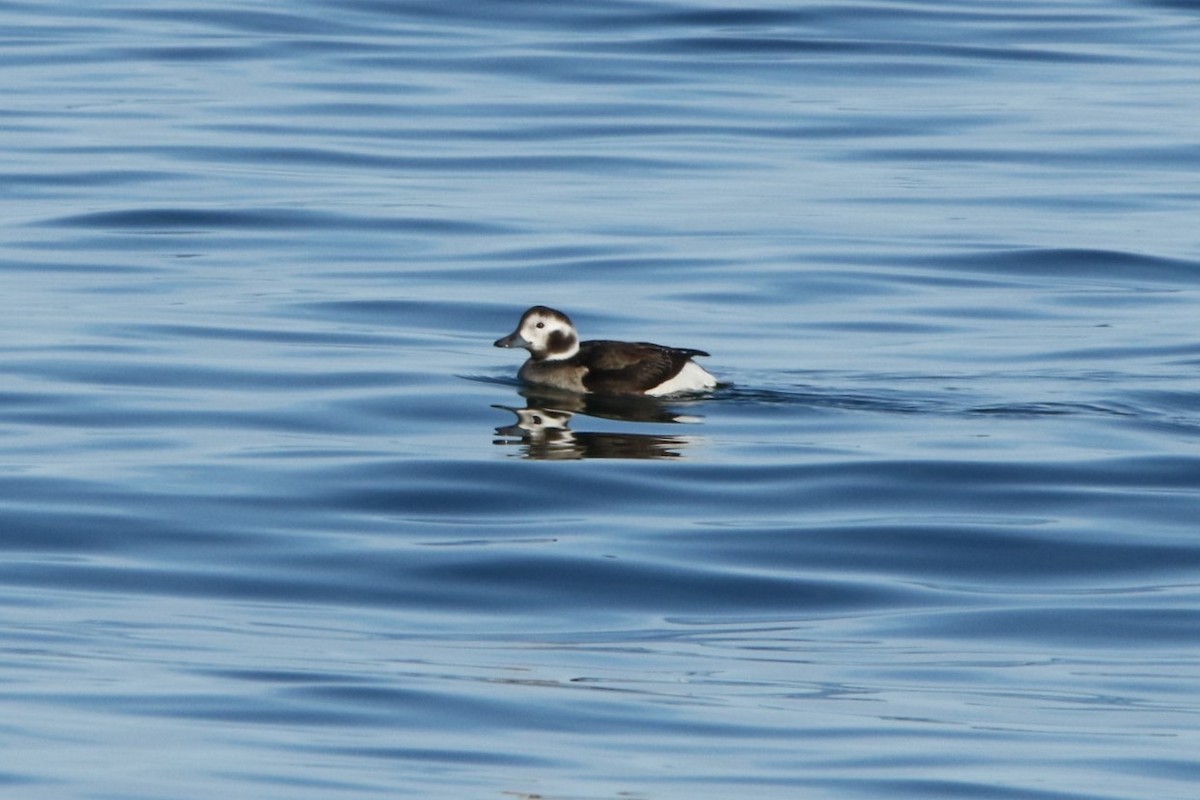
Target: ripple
[194,219]
[1137,268]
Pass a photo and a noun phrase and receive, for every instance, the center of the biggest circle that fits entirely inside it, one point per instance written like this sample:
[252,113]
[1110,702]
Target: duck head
[545,333]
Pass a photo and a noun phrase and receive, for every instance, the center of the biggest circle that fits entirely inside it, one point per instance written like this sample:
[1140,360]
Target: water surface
[278,522]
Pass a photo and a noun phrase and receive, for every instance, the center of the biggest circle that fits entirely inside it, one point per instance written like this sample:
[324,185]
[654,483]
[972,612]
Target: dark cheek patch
[560,341]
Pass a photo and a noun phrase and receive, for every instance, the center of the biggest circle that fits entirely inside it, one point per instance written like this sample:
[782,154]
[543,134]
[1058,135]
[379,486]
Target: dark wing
[630,367]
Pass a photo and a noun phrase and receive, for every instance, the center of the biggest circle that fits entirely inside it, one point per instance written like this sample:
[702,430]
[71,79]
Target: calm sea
[278,523]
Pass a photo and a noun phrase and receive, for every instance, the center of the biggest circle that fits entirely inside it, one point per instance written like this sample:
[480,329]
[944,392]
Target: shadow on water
[543,434]
[642,409]
[547,426]
[542,428]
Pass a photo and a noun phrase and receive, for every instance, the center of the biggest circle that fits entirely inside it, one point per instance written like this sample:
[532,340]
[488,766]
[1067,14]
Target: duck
[559,360]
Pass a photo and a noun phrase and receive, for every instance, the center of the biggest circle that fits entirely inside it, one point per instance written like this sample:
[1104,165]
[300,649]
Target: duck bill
[514,339]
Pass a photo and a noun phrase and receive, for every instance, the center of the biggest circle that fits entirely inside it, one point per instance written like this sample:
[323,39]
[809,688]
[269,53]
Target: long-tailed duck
[559,360]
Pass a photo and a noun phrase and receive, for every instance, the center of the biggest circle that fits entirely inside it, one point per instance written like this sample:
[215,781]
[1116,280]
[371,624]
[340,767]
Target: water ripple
[198,219]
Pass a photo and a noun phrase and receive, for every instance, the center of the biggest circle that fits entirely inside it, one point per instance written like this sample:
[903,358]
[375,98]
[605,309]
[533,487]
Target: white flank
[692,378]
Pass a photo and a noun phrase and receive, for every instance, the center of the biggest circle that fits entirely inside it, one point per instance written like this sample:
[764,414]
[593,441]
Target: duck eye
[541,324]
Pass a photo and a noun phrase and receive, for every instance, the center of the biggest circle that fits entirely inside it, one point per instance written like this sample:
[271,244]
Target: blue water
[277,521]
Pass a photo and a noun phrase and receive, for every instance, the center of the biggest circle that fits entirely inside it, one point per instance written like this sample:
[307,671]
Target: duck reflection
[542,429]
